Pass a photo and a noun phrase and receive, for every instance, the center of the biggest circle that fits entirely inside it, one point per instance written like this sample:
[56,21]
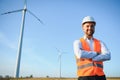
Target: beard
[90,33]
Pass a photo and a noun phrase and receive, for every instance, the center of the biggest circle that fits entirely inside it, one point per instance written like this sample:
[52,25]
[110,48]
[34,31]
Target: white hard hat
[88,19]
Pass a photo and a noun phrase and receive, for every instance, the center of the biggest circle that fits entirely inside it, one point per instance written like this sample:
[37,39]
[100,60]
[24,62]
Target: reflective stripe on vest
[89,65]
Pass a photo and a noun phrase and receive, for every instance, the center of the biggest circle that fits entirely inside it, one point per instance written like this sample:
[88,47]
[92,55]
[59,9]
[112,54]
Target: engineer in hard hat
[90,53]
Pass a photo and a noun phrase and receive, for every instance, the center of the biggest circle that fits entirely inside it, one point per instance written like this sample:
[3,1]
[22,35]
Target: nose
[89,27]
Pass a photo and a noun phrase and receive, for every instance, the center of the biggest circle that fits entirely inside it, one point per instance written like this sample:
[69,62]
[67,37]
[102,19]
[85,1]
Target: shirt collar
[87,38]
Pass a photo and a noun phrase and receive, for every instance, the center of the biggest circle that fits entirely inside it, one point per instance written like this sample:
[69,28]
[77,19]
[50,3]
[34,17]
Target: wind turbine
[24,10]
[60,53]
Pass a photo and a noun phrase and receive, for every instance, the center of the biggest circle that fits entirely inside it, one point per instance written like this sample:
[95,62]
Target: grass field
[50,79]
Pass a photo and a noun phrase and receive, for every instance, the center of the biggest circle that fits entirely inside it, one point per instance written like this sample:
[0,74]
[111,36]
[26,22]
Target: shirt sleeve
[80,53]
[104,55]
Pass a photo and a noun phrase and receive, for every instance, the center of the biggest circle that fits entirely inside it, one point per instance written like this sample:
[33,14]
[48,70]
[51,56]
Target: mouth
[90,32]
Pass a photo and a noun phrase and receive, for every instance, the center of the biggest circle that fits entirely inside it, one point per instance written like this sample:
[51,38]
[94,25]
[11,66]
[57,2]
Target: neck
[89,37]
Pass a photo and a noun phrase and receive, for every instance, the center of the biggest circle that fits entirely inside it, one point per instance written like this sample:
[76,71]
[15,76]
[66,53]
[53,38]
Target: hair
[91,22]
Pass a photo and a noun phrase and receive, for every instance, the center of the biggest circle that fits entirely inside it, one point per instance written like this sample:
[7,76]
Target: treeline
[9,77]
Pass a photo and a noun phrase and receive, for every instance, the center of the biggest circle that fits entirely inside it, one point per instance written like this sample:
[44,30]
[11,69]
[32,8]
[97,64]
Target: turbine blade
[35,16]
[58,50]
[25,2]
[64,52]
[11,12]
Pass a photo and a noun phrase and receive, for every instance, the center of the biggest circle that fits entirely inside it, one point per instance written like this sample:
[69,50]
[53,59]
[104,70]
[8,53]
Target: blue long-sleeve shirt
[80,53]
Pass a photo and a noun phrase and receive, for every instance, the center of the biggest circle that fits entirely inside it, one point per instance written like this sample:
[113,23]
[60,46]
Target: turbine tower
[24,10]
[60,53]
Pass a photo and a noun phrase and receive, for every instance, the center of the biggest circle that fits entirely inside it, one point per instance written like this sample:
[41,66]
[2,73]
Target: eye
[92,26]
[87,26]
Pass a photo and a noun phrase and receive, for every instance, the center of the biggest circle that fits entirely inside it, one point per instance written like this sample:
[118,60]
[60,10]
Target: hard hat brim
[89,22]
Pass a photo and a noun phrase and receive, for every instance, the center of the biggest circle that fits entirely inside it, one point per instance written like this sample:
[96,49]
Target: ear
[82,27]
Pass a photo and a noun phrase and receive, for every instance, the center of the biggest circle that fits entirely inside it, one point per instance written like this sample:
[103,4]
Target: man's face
[88,28]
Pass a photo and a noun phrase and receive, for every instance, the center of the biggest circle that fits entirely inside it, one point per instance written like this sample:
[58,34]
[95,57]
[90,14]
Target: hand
[81,49]
[98,53]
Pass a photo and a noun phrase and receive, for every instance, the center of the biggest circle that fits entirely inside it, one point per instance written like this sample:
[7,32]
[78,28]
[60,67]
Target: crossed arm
[80,53]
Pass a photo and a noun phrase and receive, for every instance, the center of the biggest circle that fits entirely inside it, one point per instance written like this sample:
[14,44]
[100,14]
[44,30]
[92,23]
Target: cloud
[4,40]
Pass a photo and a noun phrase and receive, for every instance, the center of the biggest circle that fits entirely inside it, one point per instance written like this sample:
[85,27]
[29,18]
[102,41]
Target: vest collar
[87,38]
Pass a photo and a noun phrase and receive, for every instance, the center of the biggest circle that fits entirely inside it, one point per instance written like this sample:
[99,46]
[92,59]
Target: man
[90,53]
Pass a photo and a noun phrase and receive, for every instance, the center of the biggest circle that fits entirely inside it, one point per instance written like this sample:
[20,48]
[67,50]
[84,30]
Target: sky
[62,25]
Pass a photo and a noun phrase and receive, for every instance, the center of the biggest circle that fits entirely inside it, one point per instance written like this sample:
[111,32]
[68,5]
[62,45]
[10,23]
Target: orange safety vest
[87,67]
